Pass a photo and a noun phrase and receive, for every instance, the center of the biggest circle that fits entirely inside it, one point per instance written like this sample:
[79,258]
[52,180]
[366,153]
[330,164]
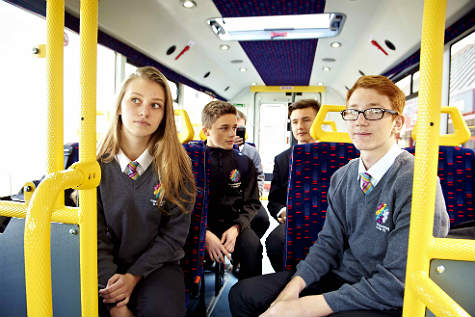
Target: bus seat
[65,272]
[455,171]
[311,167]
[184,127]
[192,263]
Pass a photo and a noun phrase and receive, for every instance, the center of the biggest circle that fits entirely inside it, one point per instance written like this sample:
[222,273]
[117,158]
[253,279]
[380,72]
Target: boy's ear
[205,131]
[398,123]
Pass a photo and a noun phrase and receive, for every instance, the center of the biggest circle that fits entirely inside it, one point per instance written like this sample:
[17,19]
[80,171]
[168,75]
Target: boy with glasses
[358,263]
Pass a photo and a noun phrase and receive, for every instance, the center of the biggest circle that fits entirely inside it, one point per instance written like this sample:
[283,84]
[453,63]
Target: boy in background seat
[233,194]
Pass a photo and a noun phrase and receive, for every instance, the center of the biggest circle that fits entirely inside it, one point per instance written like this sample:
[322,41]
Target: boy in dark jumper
[358,263]
[233,197]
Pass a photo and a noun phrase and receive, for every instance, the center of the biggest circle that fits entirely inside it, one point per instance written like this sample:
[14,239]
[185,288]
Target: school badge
[235,178]
[156,196]
[382,214]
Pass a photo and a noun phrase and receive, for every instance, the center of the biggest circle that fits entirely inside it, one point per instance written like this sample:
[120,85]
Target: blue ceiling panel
[280,62]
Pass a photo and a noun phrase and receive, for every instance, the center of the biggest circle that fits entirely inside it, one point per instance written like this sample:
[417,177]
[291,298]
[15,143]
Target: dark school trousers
[247,251]
[252,297]
[275,247]
[161,293]
[260,223]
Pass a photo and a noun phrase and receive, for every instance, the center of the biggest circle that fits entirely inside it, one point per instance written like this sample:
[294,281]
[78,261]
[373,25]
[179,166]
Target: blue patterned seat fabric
[192,263]
[311,167]
[455,171]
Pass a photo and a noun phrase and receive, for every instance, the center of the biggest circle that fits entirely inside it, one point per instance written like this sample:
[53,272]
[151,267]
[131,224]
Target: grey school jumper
[364,239]
[133,234]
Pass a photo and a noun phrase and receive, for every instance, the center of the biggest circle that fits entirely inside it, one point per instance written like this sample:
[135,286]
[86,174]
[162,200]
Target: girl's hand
[228,239]
[119,288]
[216,249]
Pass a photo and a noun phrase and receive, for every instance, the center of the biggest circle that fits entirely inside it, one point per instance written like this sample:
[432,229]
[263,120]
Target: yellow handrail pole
[37,231]
[425,167]
[434,297]
[18,210]
[54,77]
[37,241]
[87,150]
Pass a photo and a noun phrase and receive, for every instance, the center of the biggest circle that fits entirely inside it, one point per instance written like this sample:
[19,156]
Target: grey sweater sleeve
[168,244]
[105,247]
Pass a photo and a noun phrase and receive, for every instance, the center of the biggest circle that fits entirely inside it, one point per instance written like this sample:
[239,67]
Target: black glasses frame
[383,111]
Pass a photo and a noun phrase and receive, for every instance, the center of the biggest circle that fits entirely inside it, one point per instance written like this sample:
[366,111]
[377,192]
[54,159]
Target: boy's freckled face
[222,132]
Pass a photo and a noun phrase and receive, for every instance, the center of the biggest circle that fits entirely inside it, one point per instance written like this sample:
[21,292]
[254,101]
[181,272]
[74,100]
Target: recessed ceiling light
[188,3]
[253,84]
[224,47]
[335,44]
[326,68]
[319,83]
[242,69]
[277,27]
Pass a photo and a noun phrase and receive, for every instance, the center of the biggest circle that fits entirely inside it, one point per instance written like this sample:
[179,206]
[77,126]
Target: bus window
[462,82]
[23,114]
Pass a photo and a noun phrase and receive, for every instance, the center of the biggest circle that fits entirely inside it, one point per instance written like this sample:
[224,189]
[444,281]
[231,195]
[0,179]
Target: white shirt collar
[380,168]
[144,160]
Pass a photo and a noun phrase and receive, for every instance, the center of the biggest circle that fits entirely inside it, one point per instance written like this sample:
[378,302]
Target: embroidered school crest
[235,177]
[382,214]
[156,195]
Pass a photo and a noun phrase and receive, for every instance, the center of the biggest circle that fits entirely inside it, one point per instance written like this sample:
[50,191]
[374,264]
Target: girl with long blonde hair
[144,201]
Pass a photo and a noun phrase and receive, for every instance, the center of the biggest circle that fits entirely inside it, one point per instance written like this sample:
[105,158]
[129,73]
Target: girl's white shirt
[144,160]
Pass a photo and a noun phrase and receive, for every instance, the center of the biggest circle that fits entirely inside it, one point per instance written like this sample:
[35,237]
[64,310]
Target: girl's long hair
[171,162]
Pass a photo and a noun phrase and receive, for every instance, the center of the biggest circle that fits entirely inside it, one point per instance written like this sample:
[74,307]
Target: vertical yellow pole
[37,229]
[87,150]
[54,73]
[425,169]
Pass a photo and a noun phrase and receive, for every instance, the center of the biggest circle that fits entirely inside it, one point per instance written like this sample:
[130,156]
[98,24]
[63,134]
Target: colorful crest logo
[234,176]
[382,213]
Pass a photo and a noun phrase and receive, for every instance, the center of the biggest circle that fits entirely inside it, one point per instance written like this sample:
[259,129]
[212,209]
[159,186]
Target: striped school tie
[366,185]
[132,170]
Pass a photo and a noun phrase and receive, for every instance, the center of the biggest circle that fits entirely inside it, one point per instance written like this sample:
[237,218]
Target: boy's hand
[119,288]
[228,239]
[122,311]
[291,291]
[216,249]
[281,217]
[238,140]
[314,305]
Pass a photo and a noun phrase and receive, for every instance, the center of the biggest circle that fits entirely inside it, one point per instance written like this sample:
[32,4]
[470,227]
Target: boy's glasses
[371,114]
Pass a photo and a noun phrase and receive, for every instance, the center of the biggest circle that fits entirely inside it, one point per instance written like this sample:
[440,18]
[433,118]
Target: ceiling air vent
[279,27]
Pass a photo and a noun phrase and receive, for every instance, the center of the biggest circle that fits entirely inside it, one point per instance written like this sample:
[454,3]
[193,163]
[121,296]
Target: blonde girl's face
[142,108]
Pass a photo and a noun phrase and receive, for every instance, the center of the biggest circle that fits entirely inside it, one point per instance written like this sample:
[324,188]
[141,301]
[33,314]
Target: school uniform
[234,200]
[277,204]
[359,259]
[260,223]
[141,234]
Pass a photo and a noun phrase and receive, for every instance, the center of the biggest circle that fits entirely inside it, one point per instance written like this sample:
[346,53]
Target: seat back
[311,167]
[192,263]
[455,171]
